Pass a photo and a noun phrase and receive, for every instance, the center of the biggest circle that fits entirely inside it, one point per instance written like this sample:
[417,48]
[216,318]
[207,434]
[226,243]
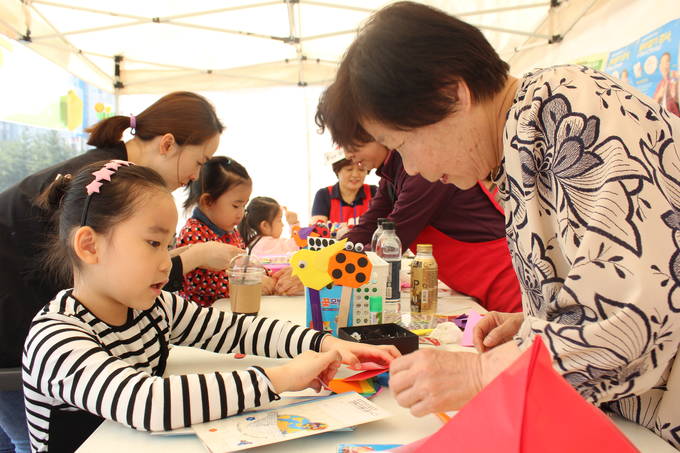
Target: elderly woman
[588,174]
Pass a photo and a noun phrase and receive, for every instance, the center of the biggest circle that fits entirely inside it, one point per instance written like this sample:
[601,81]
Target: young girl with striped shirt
[99,350]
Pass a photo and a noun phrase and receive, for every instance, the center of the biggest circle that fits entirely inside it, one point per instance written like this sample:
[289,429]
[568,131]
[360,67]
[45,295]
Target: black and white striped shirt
[72,361]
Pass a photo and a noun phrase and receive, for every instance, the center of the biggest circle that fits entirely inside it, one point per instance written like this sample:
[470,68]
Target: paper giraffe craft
[529,408]
[312,266]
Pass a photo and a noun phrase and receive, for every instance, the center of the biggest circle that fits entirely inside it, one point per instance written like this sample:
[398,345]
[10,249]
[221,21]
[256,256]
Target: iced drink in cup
[245,284]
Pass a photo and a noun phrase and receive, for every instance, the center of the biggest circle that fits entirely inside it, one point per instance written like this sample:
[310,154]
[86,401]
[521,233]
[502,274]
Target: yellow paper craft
[312,266]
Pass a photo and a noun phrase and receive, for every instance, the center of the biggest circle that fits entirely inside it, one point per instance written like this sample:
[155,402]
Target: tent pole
[116,101]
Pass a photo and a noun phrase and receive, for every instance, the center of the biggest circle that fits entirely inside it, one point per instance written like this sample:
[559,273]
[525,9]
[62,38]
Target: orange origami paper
[529,408]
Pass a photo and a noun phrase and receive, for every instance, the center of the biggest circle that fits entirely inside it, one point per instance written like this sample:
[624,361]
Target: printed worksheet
[307,418]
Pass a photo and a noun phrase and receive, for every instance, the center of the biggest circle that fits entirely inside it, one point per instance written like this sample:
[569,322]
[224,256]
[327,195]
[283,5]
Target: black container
[405,340]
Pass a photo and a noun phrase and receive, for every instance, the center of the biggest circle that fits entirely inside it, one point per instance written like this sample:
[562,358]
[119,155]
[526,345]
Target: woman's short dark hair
[402,70]
[189,117]
[217,175]
[339,165]
[115,202]
[259,209]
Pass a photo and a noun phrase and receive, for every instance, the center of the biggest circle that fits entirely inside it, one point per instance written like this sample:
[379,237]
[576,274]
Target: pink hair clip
[101,175]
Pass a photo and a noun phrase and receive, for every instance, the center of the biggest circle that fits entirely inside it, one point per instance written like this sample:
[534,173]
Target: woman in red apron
[482,270]
[465,227]
[345,201]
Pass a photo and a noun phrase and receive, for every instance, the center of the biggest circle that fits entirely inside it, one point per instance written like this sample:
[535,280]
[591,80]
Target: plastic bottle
[388,248]
[424,281]
[376,234]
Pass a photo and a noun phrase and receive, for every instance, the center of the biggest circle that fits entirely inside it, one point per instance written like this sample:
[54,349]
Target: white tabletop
[401,428]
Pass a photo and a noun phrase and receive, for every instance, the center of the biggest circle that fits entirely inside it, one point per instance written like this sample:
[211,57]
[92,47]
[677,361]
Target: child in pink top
[262,226]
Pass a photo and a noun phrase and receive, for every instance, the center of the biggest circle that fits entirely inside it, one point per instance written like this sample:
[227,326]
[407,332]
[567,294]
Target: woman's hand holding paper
[431,380]
[496,328]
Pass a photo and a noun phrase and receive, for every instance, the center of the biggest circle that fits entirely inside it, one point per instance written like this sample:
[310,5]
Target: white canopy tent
[264,63]
[212,45]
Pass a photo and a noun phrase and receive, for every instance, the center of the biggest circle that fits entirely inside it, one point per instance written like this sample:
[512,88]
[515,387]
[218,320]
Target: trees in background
[25,150]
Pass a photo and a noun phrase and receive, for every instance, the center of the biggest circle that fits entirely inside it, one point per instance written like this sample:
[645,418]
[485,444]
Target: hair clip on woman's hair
[101,175]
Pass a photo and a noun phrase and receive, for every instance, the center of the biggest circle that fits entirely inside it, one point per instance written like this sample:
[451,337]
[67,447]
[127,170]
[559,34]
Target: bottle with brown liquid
[424,281]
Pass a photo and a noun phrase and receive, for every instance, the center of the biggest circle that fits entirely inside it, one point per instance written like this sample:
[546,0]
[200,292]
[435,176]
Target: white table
[401,428]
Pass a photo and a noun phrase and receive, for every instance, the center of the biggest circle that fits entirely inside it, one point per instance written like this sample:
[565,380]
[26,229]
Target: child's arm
[291,217]
[220,331]
[224,332]
[65,363]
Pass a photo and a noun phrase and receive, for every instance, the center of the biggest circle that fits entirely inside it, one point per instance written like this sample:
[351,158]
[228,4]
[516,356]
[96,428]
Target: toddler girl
[262,226]
[99,350]
[220,195]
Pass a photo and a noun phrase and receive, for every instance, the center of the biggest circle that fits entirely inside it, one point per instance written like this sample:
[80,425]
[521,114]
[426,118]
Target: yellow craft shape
[311,266]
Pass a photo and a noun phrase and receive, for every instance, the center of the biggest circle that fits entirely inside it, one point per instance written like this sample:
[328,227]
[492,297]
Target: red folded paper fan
[529,408]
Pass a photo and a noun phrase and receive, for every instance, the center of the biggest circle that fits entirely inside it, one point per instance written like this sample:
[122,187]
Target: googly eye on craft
[349,245]
[359,247]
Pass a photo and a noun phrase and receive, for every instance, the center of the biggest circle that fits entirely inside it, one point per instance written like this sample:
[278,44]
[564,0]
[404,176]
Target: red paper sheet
[529,408]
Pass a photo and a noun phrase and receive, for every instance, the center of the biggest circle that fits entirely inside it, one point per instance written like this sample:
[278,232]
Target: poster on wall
[620,64]
[656,68]
[651,65]
[596,61]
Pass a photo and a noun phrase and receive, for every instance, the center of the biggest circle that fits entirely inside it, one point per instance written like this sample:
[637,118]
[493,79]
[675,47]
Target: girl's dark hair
[217,175]
[189,117]
[66,197]
[339,165]
[259,209]
[402,71]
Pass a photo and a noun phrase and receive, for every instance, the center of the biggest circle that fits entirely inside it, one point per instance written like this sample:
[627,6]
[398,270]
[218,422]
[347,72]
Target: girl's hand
[211,255]
[291,217]
[495,328]
[354,353]
[268,285]
[303,371]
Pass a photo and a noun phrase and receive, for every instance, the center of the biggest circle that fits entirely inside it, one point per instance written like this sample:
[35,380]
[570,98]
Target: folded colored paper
[529,408]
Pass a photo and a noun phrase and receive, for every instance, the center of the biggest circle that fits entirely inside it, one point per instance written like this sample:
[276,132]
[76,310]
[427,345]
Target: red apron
[482,270]
[343,214]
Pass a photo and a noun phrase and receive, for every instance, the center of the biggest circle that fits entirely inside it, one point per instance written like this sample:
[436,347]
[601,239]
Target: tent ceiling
[217,45]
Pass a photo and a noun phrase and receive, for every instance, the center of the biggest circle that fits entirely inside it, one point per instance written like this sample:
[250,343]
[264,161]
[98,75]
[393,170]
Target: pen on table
[443,417]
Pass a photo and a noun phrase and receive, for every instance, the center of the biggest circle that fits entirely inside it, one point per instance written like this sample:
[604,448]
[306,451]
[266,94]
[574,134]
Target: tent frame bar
[71,46]
[169,20]
[530,34]
[502,9]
